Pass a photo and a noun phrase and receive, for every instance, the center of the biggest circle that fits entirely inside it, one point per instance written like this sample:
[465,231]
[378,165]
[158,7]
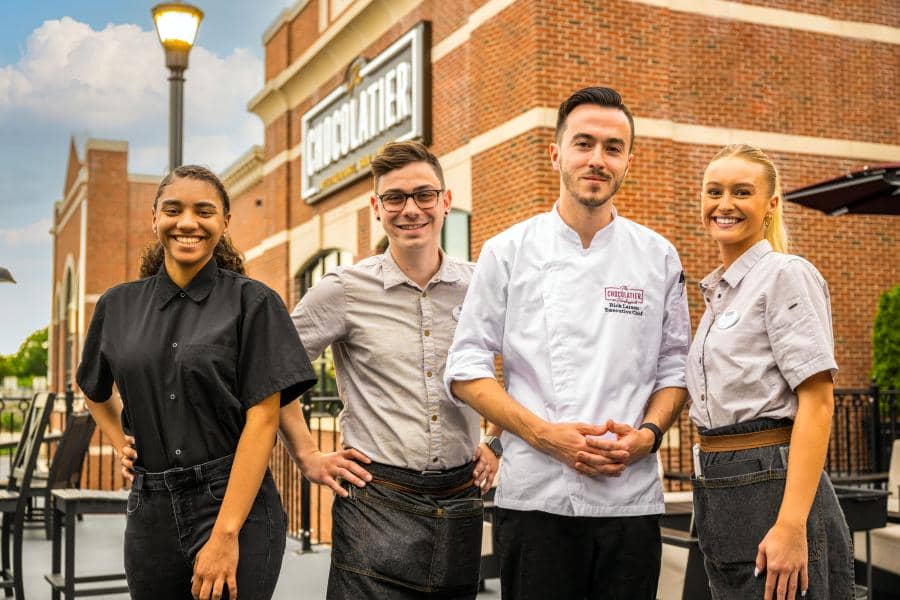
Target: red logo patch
[624,294]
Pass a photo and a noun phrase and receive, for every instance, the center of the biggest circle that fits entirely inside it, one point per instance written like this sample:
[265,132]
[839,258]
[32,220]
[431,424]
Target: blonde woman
[760,375]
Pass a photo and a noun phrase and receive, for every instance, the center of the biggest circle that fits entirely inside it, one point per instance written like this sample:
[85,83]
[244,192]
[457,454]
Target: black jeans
[393,544]
[736,502]
[170,517]
[544,556]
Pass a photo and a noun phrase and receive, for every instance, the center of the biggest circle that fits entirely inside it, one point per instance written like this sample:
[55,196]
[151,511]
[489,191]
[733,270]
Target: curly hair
[227,256]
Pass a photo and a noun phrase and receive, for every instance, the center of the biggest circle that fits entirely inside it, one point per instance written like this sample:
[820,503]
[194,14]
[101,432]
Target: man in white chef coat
[589,313]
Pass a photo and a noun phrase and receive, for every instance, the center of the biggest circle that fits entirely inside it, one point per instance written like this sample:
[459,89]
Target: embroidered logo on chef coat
[624,300]
[456,312]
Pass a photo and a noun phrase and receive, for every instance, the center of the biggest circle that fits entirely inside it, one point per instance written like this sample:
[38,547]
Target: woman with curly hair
[203,358]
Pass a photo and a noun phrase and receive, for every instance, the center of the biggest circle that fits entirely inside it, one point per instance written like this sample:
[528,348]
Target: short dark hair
[601,96]
[396,155]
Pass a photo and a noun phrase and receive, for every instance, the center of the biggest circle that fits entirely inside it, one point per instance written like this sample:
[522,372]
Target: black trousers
[543,556]
[170,518]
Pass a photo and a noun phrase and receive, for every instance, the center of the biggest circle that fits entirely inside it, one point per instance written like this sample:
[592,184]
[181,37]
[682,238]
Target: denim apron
[736,502]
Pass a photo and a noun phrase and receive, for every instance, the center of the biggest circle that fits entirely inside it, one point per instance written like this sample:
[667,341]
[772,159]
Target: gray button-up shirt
[766,329]
[390,340]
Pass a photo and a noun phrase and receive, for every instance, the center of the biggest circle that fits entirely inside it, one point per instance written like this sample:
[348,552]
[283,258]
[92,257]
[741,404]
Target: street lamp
[176,26]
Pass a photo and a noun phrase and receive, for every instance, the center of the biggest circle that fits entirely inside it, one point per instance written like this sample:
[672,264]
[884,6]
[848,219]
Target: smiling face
[412,229]
[592,155]
[189,219]
[735,200]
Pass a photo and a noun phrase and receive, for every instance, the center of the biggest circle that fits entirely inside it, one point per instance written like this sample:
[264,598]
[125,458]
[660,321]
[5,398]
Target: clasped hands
[580,446]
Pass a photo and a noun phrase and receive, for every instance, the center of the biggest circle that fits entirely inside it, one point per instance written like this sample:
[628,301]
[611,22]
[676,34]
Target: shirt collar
[736,272]
[197,290]
[563,229]
[393,275]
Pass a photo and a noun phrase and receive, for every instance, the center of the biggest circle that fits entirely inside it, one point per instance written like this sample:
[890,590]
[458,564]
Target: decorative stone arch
[317,266]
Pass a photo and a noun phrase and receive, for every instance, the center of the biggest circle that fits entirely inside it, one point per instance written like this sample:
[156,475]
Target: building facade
[813,83]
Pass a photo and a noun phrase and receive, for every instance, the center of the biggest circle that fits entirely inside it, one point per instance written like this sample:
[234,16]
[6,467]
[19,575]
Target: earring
[767,220]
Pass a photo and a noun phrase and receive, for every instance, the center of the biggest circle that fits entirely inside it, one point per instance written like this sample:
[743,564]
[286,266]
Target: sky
[95,69]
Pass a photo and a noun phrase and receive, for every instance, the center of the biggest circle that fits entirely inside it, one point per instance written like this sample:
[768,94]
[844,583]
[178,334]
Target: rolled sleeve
[94,376]
[676,330]
[479,333]
[272,358]
[320,317]
[798,323]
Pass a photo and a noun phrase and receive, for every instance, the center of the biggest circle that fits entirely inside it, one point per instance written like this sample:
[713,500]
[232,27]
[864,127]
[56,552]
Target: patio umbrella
[870,191]
[5,275]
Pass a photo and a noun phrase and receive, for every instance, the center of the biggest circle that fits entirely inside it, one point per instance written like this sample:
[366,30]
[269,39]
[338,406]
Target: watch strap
[657,435]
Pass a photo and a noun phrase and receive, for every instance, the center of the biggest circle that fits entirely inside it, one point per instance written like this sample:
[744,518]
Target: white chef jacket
[586,334]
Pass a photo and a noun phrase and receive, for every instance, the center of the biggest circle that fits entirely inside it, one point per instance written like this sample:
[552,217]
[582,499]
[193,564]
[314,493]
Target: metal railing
[865,423]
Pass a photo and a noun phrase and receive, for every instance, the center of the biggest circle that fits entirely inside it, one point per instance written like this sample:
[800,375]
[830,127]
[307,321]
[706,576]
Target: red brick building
[813,83]
[100,227]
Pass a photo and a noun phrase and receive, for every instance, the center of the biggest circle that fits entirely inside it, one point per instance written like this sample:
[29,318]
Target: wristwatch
[657,435]
[494,444]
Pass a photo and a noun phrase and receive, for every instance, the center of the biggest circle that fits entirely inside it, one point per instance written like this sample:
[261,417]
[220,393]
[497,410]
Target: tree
[32,355]
[886,341]
[30,360]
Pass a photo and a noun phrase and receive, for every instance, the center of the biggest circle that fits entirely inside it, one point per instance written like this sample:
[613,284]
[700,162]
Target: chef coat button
[174,344]
[182,294]
[435,459]
[434,417]
[428,373]
[427,333]
[702,397]
[177,451]
[171,396]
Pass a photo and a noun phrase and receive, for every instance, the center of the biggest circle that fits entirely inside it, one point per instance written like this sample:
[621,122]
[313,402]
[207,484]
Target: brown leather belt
[424,491]
[745,441]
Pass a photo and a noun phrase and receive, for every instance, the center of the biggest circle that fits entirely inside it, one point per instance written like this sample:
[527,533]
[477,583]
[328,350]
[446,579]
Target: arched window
[68,324]
[307,277]
[455,234]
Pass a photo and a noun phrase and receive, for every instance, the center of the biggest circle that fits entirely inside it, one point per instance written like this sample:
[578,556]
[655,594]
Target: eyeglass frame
[407,196]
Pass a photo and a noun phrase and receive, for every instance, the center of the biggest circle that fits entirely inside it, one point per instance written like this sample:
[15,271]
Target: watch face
[496,447]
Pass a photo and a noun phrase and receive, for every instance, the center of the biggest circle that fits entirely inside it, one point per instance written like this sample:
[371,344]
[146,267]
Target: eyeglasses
[396,201]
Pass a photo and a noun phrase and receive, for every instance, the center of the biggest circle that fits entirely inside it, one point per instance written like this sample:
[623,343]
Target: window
[325,262]
[455,235]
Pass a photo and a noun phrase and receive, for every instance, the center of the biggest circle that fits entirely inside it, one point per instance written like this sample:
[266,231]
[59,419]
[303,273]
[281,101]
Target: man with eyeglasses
[407,523]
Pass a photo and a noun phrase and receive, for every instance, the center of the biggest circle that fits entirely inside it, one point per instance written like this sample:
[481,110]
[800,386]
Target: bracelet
[657,435]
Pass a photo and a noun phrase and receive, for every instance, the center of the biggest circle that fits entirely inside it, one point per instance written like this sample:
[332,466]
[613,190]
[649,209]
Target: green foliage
[30,360]
[886,341]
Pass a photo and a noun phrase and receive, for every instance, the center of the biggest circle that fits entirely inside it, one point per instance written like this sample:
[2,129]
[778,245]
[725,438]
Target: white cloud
[113,83]
[34,233]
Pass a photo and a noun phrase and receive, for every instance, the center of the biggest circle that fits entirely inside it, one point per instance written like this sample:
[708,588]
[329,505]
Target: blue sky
[95,69]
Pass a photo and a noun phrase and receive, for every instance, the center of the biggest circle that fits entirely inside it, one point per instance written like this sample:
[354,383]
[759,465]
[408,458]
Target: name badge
[728,318]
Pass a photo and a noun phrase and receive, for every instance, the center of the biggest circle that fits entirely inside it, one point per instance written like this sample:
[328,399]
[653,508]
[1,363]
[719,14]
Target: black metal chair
[65,505]
[14,503]
[65,468]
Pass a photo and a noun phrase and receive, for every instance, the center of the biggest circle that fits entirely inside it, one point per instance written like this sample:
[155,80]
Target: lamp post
[176,26]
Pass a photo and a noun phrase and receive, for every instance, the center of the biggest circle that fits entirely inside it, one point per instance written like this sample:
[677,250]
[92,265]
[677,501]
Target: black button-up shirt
[189,362]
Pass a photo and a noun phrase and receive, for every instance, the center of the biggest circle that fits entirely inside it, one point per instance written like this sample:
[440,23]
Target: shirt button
[702,397]
[434,417]
[427,333]
[427,373]
[174,344]
[435,459]
[171,396]
[181,294]
[177,451]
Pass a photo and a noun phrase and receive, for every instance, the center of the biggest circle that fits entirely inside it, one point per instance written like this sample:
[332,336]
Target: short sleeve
[94,375]
[271,358]
[798,322]
[320,317]
[480,331]
[676,333]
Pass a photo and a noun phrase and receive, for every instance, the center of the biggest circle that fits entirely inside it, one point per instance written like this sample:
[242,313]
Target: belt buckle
[430,472]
